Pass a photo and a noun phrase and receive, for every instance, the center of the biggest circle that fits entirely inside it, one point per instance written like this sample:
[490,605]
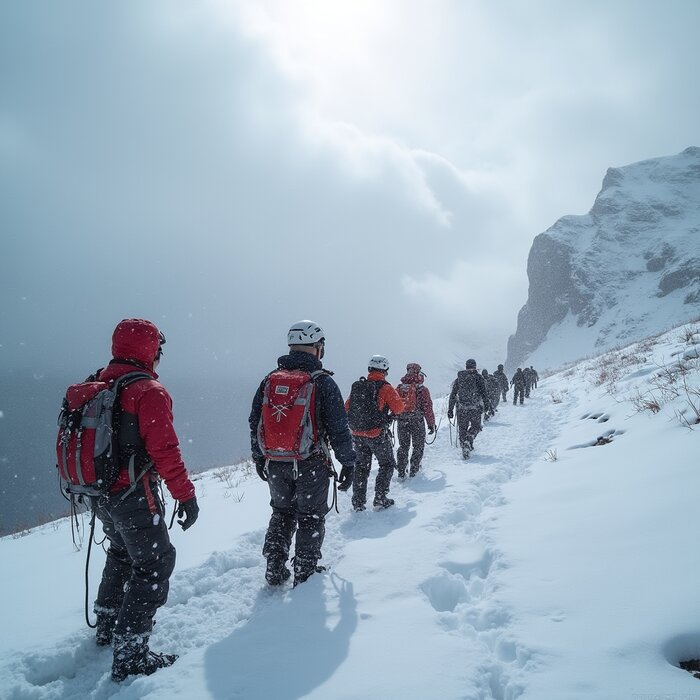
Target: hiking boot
[303,573]
[104,628]
[132,657]
[276,573]
[383,502]
[465,452]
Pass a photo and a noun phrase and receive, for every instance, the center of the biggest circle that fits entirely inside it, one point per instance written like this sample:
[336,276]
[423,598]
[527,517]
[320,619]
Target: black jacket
[518,379]
[473,385]
[333,421]
[502,379]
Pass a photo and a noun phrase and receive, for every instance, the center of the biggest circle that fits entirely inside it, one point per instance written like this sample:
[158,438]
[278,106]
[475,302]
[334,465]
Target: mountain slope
[627,269]
[505,577]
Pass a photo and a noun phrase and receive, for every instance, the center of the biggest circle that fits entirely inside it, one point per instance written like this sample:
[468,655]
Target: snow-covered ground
[546,567]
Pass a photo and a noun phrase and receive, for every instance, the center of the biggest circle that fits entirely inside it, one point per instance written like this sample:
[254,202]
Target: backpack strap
[322,435]
[379,383]
[119,384]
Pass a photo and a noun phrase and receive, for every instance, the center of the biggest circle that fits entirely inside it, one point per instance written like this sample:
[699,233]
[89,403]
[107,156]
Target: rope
[334,475]
[452,425]
[437,427]
[74,522]
[87,567]
[172,519]
[334,502]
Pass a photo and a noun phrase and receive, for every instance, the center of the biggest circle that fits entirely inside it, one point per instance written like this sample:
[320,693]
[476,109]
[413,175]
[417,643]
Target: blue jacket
[333,420]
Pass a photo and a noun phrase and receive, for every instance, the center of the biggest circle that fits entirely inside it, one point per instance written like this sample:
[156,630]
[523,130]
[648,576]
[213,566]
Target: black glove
[345,478]
[260,467]
[431,429]
[189,510]
[450,415]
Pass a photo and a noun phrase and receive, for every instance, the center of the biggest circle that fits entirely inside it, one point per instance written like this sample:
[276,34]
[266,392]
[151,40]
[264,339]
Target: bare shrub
[225,475]
[645,402]
[670,380]
[607,371]
[647,345]
[688,334]
[689,417]
[551,455]
[632,359]
[21,531]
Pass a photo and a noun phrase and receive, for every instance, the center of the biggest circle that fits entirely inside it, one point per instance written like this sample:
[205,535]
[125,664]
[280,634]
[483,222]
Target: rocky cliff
[627,269]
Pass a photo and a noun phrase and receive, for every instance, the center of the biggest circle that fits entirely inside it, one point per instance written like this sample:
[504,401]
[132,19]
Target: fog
[170,161]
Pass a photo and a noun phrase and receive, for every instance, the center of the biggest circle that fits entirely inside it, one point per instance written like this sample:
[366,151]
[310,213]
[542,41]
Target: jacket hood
[376,376]
[117,369]
[412,378]
[413,374]
[299,360]
[135,339]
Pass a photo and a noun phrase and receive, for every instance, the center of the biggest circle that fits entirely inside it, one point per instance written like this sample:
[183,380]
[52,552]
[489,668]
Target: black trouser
[299,505]
[504,395]
[140,558]
[469,424]
[383,450]
[410,428]
[518,391]
[527,390]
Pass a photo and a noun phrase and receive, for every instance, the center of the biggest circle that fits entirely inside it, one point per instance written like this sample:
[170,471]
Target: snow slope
[506,577]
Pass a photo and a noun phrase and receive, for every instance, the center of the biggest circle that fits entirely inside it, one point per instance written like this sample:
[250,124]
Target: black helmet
[484,372]
[471,364]
[500,366]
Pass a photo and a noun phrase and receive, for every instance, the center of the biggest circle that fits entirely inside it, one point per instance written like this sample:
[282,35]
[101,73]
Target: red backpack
[287,429]
[409,394]
[87,449]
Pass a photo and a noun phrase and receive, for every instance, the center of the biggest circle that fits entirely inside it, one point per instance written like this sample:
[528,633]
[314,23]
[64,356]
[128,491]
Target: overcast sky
[381,167]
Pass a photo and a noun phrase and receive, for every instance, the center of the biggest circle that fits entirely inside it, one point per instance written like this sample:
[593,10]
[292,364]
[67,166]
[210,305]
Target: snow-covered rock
[627,269]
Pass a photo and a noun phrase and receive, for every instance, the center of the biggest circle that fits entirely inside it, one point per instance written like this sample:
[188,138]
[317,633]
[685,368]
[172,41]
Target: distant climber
[411,423]
[471,399]
[518,384]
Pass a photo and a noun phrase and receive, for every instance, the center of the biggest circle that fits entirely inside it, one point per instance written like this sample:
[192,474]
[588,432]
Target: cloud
[205,168]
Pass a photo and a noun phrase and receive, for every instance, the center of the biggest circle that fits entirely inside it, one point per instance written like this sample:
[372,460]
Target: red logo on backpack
[409,394]
[287,428]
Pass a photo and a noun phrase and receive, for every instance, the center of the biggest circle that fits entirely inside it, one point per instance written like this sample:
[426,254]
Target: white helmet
[379,362]
[305,333]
